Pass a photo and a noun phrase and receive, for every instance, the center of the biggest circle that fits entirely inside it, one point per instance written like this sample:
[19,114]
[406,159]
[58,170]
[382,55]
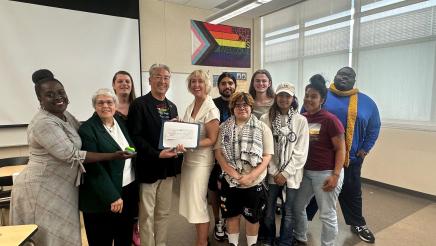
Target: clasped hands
[122,155]
[243,179]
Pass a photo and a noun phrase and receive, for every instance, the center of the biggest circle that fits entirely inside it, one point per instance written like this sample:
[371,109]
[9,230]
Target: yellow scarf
[351,117]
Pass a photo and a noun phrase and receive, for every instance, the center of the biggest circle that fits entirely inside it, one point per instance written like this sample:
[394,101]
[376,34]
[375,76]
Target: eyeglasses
[158,77]
[241,106]
[101,103]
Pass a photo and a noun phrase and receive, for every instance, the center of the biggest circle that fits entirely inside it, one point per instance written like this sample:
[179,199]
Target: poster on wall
[220,45]
[241,81]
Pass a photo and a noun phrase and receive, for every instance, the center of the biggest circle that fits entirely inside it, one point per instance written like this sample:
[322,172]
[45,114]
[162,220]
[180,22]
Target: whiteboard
[82,49]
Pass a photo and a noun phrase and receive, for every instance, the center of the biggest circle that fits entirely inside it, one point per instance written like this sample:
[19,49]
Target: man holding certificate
[155,168]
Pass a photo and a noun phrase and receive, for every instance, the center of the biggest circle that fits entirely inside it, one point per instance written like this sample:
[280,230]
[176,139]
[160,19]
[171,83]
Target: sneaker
[219,232]
[296,242]
[364,233]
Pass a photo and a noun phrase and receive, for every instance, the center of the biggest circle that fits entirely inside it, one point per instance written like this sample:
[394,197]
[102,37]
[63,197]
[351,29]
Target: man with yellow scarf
[360,117]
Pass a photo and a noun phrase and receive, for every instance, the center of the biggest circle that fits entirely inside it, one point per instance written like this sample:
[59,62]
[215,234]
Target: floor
[395,219]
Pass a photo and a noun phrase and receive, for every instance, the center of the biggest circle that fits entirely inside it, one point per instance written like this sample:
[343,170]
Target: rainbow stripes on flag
[220,45]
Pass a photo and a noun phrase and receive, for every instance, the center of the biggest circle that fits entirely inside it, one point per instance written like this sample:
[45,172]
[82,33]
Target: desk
[16,235]
[9,170]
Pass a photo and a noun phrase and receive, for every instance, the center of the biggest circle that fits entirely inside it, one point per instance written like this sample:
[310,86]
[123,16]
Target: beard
[226,93]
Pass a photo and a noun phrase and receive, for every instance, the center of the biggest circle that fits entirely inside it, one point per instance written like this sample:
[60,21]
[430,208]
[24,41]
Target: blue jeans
[312,185]
[286,226]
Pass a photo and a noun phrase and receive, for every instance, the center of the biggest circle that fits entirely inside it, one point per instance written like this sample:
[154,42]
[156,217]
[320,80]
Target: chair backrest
[13,161]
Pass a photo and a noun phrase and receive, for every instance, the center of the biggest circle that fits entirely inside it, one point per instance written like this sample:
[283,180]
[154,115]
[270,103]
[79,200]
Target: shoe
[218,232]
[296,242]
[364,233]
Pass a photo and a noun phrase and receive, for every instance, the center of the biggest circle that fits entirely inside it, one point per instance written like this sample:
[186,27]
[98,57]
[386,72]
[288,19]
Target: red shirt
[322,127]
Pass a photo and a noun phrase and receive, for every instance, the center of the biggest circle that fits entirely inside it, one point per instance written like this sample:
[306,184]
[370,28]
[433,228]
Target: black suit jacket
[144,125]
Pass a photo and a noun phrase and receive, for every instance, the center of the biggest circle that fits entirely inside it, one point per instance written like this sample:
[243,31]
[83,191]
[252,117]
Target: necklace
[109,128]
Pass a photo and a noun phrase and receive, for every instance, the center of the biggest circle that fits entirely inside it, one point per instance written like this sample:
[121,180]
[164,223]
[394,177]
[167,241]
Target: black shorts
[250,202]
[214,178]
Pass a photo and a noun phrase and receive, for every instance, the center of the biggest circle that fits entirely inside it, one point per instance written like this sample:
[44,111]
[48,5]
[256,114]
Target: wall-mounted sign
[241,81]
[220,45]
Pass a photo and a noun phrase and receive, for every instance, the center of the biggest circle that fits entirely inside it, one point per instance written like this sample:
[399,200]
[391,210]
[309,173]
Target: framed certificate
[174,133]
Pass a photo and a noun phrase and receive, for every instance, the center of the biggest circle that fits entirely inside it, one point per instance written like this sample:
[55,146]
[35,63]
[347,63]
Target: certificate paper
[174,133]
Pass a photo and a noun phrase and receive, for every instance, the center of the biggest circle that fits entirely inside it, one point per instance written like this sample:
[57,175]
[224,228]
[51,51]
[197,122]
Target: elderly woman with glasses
[45,192]
[109,194]
[243,150]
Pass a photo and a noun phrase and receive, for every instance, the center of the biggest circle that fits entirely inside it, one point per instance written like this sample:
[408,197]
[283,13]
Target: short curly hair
[240,96]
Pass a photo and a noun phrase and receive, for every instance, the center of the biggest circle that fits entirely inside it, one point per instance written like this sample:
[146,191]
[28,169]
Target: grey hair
[203,76]
[104,92]
[158,66]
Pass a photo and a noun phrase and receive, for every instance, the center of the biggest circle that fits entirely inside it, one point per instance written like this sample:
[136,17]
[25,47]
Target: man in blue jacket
[360,117]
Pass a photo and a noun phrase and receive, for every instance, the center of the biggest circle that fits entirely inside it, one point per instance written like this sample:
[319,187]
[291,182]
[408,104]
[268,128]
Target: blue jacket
[367,125]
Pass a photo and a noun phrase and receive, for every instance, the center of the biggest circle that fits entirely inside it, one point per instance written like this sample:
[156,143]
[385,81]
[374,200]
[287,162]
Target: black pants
[350,197]
[104,228]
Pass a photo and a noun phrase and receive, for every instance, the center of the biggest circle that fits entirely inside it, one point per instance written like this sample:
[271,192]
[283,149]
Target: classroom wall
[404,158]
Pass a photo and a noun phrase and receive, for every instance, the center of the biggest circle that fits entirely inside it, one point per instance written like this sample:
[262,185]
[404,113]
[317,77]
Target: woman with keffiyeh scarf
[243,150]
[285,171]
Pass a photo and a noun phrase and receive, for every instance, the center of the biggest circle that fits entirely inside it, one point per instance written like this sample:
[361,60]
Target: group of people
[253,148]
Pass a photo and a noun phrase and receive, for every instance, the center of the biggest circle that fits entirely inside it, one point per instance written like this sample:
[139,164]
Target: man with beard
[226,87]
[361,120]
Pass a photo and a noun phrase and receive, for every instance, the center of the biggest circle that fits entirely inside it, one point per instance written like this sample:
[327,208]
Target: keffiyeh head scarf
[247,147]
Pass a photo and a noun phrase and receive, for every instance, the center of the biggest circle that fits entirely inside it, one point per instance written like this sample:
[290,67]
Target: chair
[5,195]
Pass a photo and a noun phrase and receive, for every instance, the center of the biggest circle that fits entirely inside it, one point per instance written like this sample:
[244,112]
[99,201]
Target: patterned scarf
[351,117]
[247,147]
[283,136]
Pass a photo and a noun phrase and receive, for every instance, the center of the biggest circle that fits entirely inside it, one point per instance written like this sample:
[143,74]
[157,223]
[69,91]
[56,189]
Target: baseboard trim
[400,189]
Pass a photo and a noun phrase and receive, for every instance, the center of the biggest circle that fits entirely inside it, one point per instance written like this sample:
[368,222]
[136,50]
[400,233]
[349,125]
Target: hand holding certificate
[179,133]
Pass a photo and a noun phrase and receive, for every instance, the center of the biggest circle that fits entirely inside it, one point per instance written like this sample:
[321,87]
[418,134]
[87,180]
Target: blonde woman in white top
[285,170]
[198,163]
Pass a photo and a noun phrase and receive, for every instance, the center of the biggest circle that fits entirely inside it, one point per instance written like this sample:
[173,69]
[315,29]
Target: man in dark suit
[155,168]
